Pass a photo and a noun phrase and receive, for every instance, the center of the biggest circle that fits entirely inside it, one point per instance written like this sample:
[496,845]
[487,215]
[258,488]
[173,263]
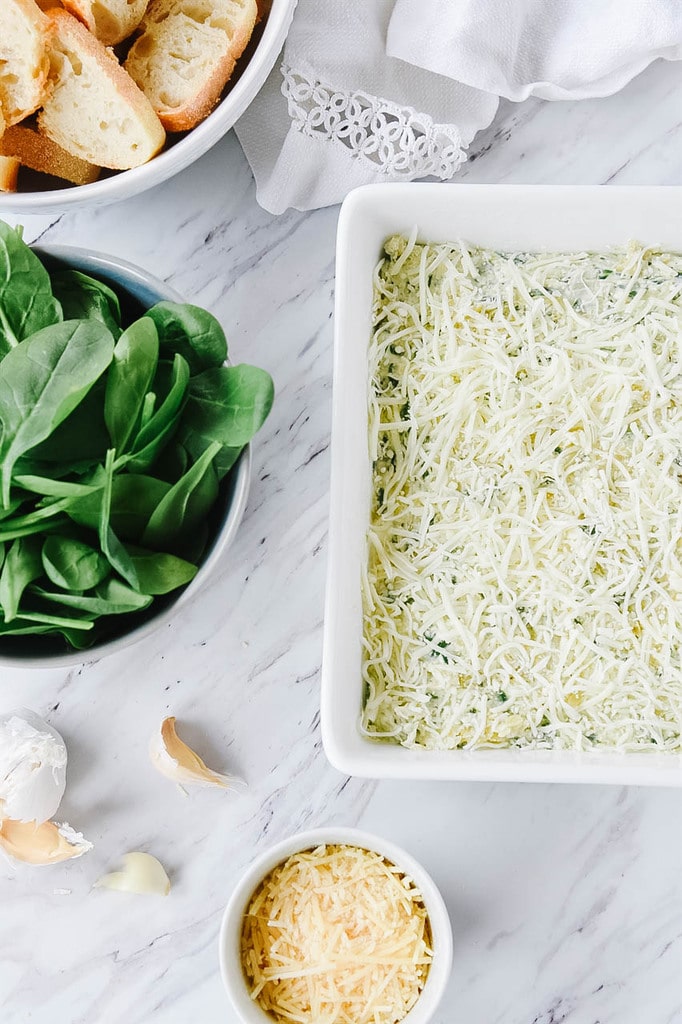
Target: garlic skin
[174,759]
[41,844]
[32,767]
[141,874]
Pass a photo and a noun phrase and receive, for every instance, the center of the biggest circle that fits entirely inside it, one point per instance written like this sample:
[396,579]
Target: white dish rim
[557,217]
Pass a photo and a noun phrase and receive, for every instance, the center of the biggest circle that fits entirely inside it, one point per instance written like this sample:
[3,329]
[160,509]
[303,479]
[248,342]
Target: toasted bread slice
[23,59]
[33,149]
[111,21]
[9,173]
[186,53]
[94,110]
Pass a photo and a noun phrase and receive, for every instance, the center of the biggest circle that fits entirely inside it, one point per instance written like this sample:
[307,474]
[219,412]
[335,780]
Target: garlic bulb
[141,873]
[32,767]
[179,762]
[41,844]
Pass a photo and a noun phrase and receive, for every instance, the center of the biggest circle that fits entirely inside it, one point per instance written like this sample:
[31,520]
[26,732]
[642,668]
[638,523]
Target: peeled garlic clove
[32,767]
[179,762]
[41,844]
[141,873]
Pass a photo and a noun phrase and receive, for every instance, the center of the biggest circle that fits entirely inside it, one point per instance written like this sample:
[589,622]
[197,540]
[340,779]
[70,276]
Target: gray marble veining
[566,902]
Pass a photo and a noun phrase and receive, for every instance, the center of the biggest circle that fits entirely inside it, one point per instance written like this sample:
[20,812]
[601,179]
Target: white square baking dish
[504,218]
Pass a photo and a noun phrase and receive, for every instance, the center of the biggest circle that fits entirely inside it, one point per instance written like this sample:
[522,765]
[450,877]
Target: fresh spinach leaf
[39,526]
[109,598]
[42,381]
[22,566]
[26,300]
[38,515]
[178,511]
[158,431]
[118,557]
[84,298]
[131,372]
[160,572]
[134,498]
[47,619]
[228,404]
[191,331]
[72,564]
[78,443]
[48,487]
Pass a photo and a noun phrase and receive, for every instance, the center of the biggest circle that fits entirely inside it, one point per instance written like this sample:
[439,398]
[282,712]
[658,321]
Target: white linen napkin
[338,112]
[555,49]
[390,90]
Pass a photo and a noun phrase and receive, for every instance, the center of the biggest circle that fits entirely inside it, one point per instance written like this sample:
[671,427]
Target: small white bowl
[229,950]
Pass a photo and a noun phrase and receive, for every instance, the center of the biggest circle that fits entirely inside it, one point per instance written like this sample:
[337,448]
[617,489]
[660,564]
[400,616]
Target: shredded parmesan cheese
[524,575]
[336,935]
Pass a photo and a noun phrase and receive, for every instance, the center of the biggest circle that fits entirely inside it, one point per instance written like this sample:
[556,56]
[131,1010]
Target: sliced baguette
[186,53]
[24,64]
[33,149]
[9,173]
[111,21]
[94,110]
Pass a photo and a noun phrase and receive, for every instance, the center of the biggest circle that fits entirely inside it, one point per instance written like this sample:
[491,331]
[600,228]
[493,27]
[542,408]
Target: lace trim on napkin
[398,140]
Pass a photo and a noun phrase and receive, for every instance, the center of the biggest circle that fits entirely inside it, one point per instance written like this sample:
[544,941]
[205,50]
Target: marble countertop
[566,901]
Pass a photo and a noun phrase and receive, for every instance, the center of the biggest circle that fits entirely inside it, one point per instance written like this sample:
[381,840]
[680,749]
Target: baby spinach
[80,441]
[113,439]
[83,298]
[131,372]
[47,487]
[26,300]
[225,404]
[159,572]
[42,381]
[60,621]
[192,332]
[112,549]
[134,497]
[109,598]
[22,565]
[72,564]
[177,512]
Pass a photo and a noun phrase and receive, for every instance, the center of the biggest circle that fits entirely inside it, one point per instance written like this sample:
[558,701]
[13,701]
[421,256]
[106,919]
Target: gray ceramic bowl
[137,290]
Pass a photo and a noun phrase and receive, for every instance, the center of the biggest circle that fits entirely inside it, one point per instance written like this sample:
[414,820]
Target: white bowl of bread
[101,99]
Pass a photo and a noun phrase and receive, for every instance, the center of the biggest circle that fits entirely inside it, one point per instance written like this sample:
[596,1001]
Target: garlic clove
[173,758]
[141,873]
[41,844]
[32,767]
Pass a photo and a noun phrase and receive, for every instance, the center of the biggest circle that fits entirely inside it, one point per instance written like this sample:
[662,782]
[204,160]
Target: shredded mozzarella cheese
[524,576]
[336,935]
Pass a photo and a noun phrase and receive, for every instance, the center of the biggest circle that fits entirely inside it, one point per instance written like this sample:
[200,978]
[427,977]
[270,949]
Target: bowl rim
[246,1009]
[224,537]
[195,143]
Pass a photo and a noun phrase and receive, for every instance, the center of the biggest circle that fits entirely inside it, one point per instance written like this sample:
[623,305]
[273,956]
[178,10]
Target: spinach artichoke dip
[523,584]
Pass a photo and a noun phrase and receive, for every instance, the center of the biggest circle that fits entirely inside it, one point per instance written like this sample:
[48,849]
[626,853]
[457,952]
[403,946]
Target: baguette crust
[95,111]
[171,26]
[33,149]
[24,60]
[111,21]
[9,173]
